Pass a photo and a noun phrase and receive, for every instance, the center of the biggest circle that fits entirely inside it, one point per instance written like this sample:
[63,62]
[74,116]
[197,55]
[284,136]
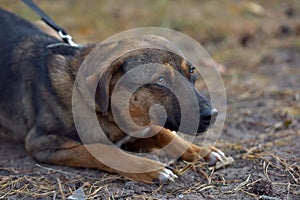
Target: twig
[60,189]
[51,169]
[242,184]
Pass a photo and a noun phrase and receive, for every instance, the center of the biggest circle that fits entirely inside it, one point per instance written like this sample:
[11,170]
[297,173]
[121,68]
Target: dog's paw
[215,155]
[166,175]
[212,155]
[217,158]
[162,175]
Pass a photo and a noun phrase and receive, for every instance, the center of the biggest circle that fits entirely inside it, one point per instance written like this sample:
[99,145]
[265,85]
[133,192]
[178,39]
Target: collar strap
[61,32]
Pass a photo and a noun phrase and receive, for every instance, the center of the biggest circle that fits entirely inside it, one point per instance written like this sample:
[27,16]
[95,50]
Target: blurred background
[241,35]
[235,33]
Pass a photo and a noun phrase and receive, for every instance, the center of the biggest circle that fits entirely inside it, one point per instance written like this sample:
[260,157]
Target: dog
[37,76]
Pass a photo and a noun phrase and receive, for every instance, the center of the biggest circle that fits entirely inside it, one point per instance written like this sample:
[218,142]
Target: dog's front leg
[191,152]
[55,149]
[178,147]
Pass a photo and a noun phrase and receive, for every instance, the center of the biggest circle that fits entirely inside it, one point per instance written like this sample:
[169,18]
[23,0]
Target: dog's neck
[63,65]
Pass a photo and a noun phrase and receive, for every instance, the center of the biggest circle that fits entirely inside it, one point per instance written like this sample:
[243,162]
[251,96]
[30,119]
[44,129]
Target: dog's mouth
[206,121]
[203,127]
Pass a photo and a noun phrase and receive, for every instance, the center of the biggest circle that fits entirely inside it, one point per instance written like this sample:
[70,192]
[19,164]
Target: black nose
[209,116]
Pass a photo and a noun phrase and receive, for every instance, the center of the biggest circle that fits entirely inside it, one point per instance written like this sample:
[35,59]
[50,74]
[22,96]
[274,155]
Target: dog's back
[14,29]
[23,61]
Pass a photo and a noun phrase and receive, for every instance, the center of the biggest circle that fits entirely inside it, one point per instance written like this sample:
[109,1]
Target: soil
[261,132]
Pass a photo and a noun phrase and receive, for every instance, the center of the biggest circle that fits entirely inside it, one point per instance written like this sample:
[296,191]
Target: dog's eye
[192,71]
[161,81]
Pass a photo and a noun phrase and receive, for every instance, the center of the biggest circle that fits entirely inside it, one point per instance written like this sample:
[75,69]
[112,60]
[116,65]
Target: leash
[61,32]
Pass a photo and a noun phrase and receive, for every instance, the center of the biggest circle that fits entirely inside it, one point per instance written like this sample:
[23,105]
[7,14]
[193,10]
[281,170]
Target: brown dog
[37,75]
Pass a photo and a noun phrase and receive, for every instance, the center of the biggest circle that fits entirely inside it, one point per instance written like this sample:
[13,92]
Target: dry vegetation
[259,44]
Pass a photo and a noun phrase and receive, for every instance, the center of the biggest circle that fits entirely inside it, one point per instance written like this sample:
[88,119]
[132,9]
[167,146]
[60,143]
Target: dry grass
[275,172]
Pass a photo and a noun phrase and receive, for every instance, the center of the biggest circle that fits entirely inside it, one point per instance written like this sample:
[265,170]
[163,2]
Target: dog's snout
[209,116]
[214,114]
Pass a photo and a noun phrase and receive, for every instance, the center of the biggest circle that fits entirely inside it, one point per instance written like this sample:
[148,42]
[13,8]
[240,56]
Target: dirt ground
[259,46]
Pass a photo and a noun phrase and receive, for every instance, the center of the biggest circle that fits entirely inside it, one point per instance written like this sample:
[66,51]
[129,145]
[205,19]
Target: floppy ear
[68,50]
[62,48]
[103,82]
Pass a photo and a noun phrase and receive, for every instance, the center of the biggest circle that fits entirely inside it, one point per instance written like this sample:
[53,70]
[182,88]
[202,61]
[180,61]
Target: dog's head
[154,51]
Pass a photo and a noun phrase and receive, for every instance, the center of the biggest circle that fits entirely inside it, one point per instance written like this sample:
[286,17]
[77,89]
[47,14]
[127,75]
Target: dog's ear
[68,50]
[62,49]
[103,81]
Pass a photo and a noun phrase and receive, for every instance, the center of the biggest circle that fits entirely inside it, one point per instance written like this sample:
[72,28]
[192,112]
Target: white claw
[221,153]
[166,175]
[217,156]
[214,157]
[218,159]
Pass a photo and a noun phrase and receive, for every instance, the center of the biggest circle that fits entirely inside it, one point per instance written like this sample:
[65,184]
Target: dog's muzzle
[208,117]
